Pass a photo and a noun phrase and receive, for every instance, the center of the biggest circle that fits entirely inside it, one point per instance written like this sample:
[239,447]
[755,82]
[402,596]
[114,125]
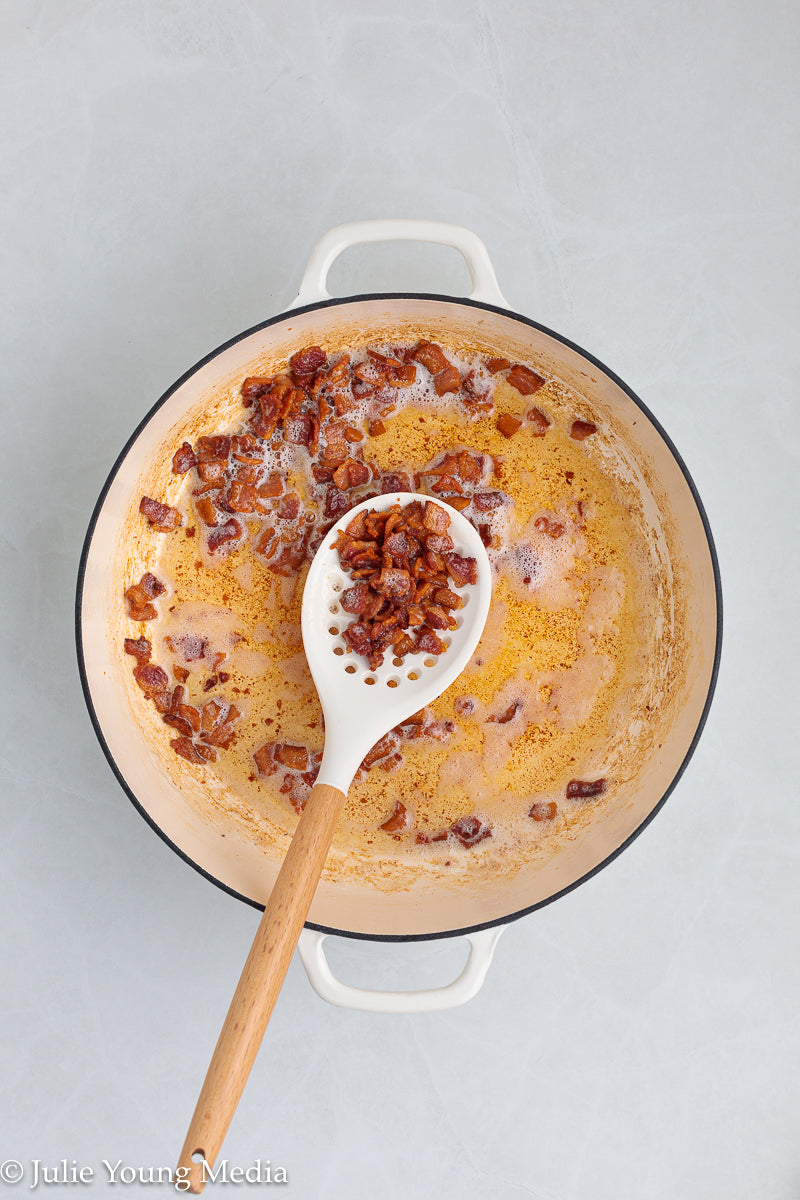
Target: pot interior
[196,811]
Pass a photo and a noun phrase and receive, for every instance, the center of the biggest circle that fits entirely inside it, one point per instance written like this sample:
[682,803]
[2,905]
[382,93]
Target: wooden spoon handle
[260,982]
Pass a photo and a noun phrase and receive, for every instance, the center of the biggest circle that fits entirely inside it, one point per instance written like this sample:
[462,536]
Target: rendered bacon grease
[404,565]
[313,441]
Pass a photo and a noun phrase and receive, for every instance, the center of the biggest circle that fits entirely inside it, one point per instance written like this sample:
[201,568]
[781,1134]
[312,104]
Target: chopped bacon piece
[180,673]
[544,811]
[207,510]
[381,749]
[254,385]
[395,481]
[431,356]
[581,430]
[486,501]
[273,486]
[579,789]
[296,757]
[264,758]
[470,830]
[140,648]
[242,497]
[266,543]
[306,362]
[183,459]
[398,820]
[190,646]
[538,420]
[213,471]
[139,596]
[206,752]
[464,706]
[376,428]
[435,518]
[429,643]
[393,583]
[187,749]
[150,678]
[461,570]
[552,528]
[161,516]
[212,448]
[223,734]
[508,425]
[350,474]
[447,380]
[228,532]
[179,723]
[298,429]
[493,365]
[289,507]
[401,376]
[508,714]
[524,380]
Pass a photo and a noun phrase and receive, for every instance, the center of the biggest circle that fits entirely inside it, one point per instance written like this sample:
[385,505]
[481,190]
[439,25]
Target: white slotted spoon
[360,706]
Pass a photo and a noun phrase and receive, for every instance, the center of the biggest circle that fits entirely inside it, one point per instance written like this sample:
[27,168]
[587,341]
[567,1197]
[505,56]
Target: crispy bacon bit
[470,830]
[579,789]
[395,481]
[180,673]
[508,425]
[507,715]
[581,430]
[544,811]
[399,819]
[213,448]
[336,502]
[552,528]
[376,428]
[487,501]
[524,380]
[242,497]
[139,596]
[306,362]
[380,750]
[493,365]
[228,532]
[161,516]
[447,380]
[140,648]
[183,459]
[464,706]
[223,734]
[273,486]
[207,510]
[538,420]
[296,757]
[266,543]
[190,646]
[265,760]
[461,570]
[150,678]
[289,507]
[206,752]
[431,356]
[187,749]
[350,474]
[467,830]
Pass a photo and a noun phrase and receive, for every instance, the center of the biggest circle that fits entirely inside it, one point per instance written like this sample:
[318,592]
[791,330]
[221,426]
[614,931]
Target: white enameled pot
[171,798]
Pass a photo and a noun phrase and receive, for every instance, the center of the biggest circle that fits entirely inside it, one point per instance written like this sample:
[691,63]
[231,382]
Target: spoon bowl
[361,704]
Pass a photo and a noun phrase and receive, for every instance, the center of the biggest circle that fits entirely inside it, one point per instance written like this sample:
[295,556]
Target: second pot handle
[463,988]
[313,287]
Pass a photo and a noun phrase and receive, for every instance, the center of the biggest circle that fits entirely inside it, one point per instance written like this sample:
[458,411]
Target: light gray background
[632,168]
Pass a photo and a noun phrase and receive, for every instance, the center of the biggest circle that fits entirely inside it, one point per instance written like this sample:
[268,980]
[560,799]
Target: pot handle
[467,985]
[484,283]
